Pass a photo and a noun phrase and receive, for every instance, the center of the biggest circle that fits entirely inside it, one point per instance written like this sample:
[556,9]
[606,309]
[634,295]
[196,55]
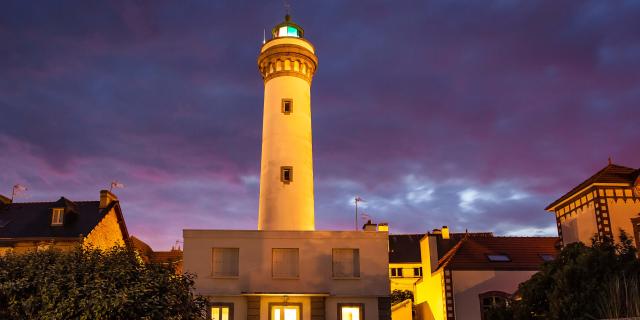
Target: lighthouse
[287,63]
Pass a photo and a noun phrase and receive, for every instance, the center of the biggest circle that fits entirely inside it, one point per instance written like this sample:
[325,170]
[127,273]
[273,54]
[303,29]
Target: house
[286,269]
[405,264]
[464,275]
[600,206]
[172,257]
[61,224]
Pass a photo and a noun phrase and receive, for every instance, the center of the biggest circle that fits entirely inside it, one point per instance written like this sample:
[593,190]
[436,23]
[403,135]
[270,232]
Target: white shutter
[226,262]
[346,263]
[285,263]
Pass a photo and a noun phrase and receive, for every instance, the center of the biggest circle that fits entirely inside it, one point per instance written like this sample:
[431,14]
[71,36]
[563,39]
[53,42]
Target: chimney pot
[445,232]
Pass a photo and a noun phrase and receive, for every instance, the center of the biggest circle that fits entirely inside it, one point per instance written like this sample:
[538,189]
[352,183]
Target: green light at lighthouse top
[287,29]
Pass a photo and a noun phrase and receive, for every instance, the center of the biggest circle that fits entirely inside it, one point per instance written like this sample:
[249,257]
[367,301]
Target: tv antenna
[287,7]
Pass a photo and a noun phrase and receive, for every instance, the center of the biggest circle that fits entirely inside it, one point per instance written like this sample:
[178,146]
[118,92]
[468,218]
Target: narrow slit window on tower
[287,106]
[286,174]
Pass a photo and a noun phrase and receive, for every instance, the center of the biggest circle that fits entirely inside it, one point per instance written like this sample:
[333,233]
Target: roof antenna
[264,36]
[609,160]
[287,9]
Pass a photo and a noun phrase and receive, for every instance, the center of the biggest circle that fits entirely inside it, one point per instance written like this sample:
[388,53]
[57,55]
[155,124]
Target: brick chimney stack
[106,197]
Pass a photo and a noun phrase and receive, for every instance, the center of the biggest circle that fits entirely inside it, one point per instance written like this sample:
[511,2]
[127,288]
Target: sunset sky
[471,114]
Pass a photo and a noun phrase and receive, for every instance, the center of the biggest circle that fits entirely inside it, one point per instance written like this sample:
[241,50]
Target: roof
[33,219]
[524,253]
[405,248]
[174,255]
[612,173]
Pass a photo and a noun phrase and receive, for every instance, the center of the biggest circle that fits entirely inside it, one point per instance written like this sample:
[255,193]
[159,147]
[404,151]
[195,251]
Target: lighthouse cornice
[287,59]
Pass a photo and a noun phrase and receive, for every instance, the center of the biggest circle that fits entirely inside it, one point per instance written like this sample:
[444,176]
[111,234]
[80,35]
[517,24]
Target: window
[225,262]
[222,311]
[284,263]
[498,258]
[350,311]
[492,299]
[286,174]
[346,263]
[417,272]
[290,311]
[287,106]
[547,257]
[396,272]
[57,216]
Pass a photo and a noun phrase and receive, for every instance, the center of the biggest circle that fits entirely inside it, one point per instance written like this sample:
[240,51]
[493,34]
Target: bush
[92,284]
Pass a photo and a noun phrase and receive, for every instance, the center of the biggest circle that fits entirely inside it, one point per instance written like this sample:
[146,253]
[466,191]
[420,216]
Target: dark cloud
[473,114]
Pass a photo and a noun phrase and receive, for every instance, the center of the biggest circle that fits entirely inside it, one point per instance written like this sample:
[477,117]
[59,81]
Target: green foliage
[93,284]
[398,296]
[576,283]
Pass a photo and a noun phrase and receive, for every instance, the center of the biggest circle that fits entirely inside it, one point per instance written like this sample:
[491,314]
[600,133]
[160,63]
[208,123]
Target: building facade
[600,206]
[464,275]
[62,224]
[286,270]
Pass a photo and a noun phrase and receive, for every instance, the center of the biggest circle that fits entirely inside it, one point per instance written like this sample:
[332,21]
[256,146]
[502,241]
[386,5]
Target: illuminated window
[346,263]
[288,31]
[287,106]
[225,262]
[57,216]
[350,311]
[284,263]
[290,311]
[396,272]
[492,299]
[222,311]
[498,258]
[286,174]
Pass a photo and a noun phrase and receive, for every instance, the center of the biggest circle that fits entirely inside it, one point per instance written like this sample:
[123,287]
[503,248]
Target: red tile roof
[525,253]
[612,173]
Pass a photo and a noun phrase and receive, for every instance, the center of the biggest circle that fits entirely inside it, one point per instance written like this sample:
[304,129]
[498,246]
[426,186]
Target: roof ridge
[41,202]
[449,255]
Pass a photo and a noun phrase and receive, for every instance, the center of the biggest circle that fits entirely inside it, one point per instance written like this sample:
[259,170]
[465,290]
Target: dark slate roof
[525,253]
[404,248]
[33,219]
[612,173]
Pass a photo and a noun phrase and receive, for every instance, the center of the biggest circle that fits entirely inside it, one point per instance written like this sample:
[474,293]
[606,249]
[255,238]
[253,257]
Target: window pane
[225,313]
[346,263]
[350,313]
[215,313]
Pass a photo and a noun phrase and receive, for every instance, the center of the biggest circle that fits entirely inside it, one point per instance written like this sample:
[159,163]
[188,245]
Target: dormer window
[498,258]
[57,216]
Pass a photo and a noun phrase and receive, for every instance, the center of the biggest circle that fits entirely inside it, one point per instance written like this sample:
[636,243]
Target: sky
[470,114]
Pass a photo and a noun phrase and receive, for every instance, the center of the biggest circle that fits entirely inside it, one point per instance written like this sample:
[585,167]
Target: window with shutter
[226,262]
[284,263]
[346,263]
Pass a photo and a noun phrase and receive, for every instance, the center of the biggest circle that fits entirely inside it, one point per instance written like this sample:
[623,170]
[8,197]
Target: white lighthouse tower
[287,63]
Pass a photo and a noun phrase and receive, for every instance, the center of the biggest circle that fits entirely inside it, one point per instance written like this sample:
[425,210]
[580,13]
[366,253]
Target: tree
[87,283]
[577,284]
[398,296]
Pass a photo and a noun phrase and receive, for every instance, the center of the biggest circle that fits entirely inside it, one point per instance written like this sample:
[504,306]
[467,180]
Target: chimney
[4,200]
[106,197]
[445,232]
[369,226]
[383,226]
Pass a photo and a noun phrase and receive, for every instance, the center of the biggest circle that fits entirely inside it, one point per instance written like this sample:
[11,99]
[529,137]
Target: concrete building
[285,270]
[600,206]
[61,224]
[466,274]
